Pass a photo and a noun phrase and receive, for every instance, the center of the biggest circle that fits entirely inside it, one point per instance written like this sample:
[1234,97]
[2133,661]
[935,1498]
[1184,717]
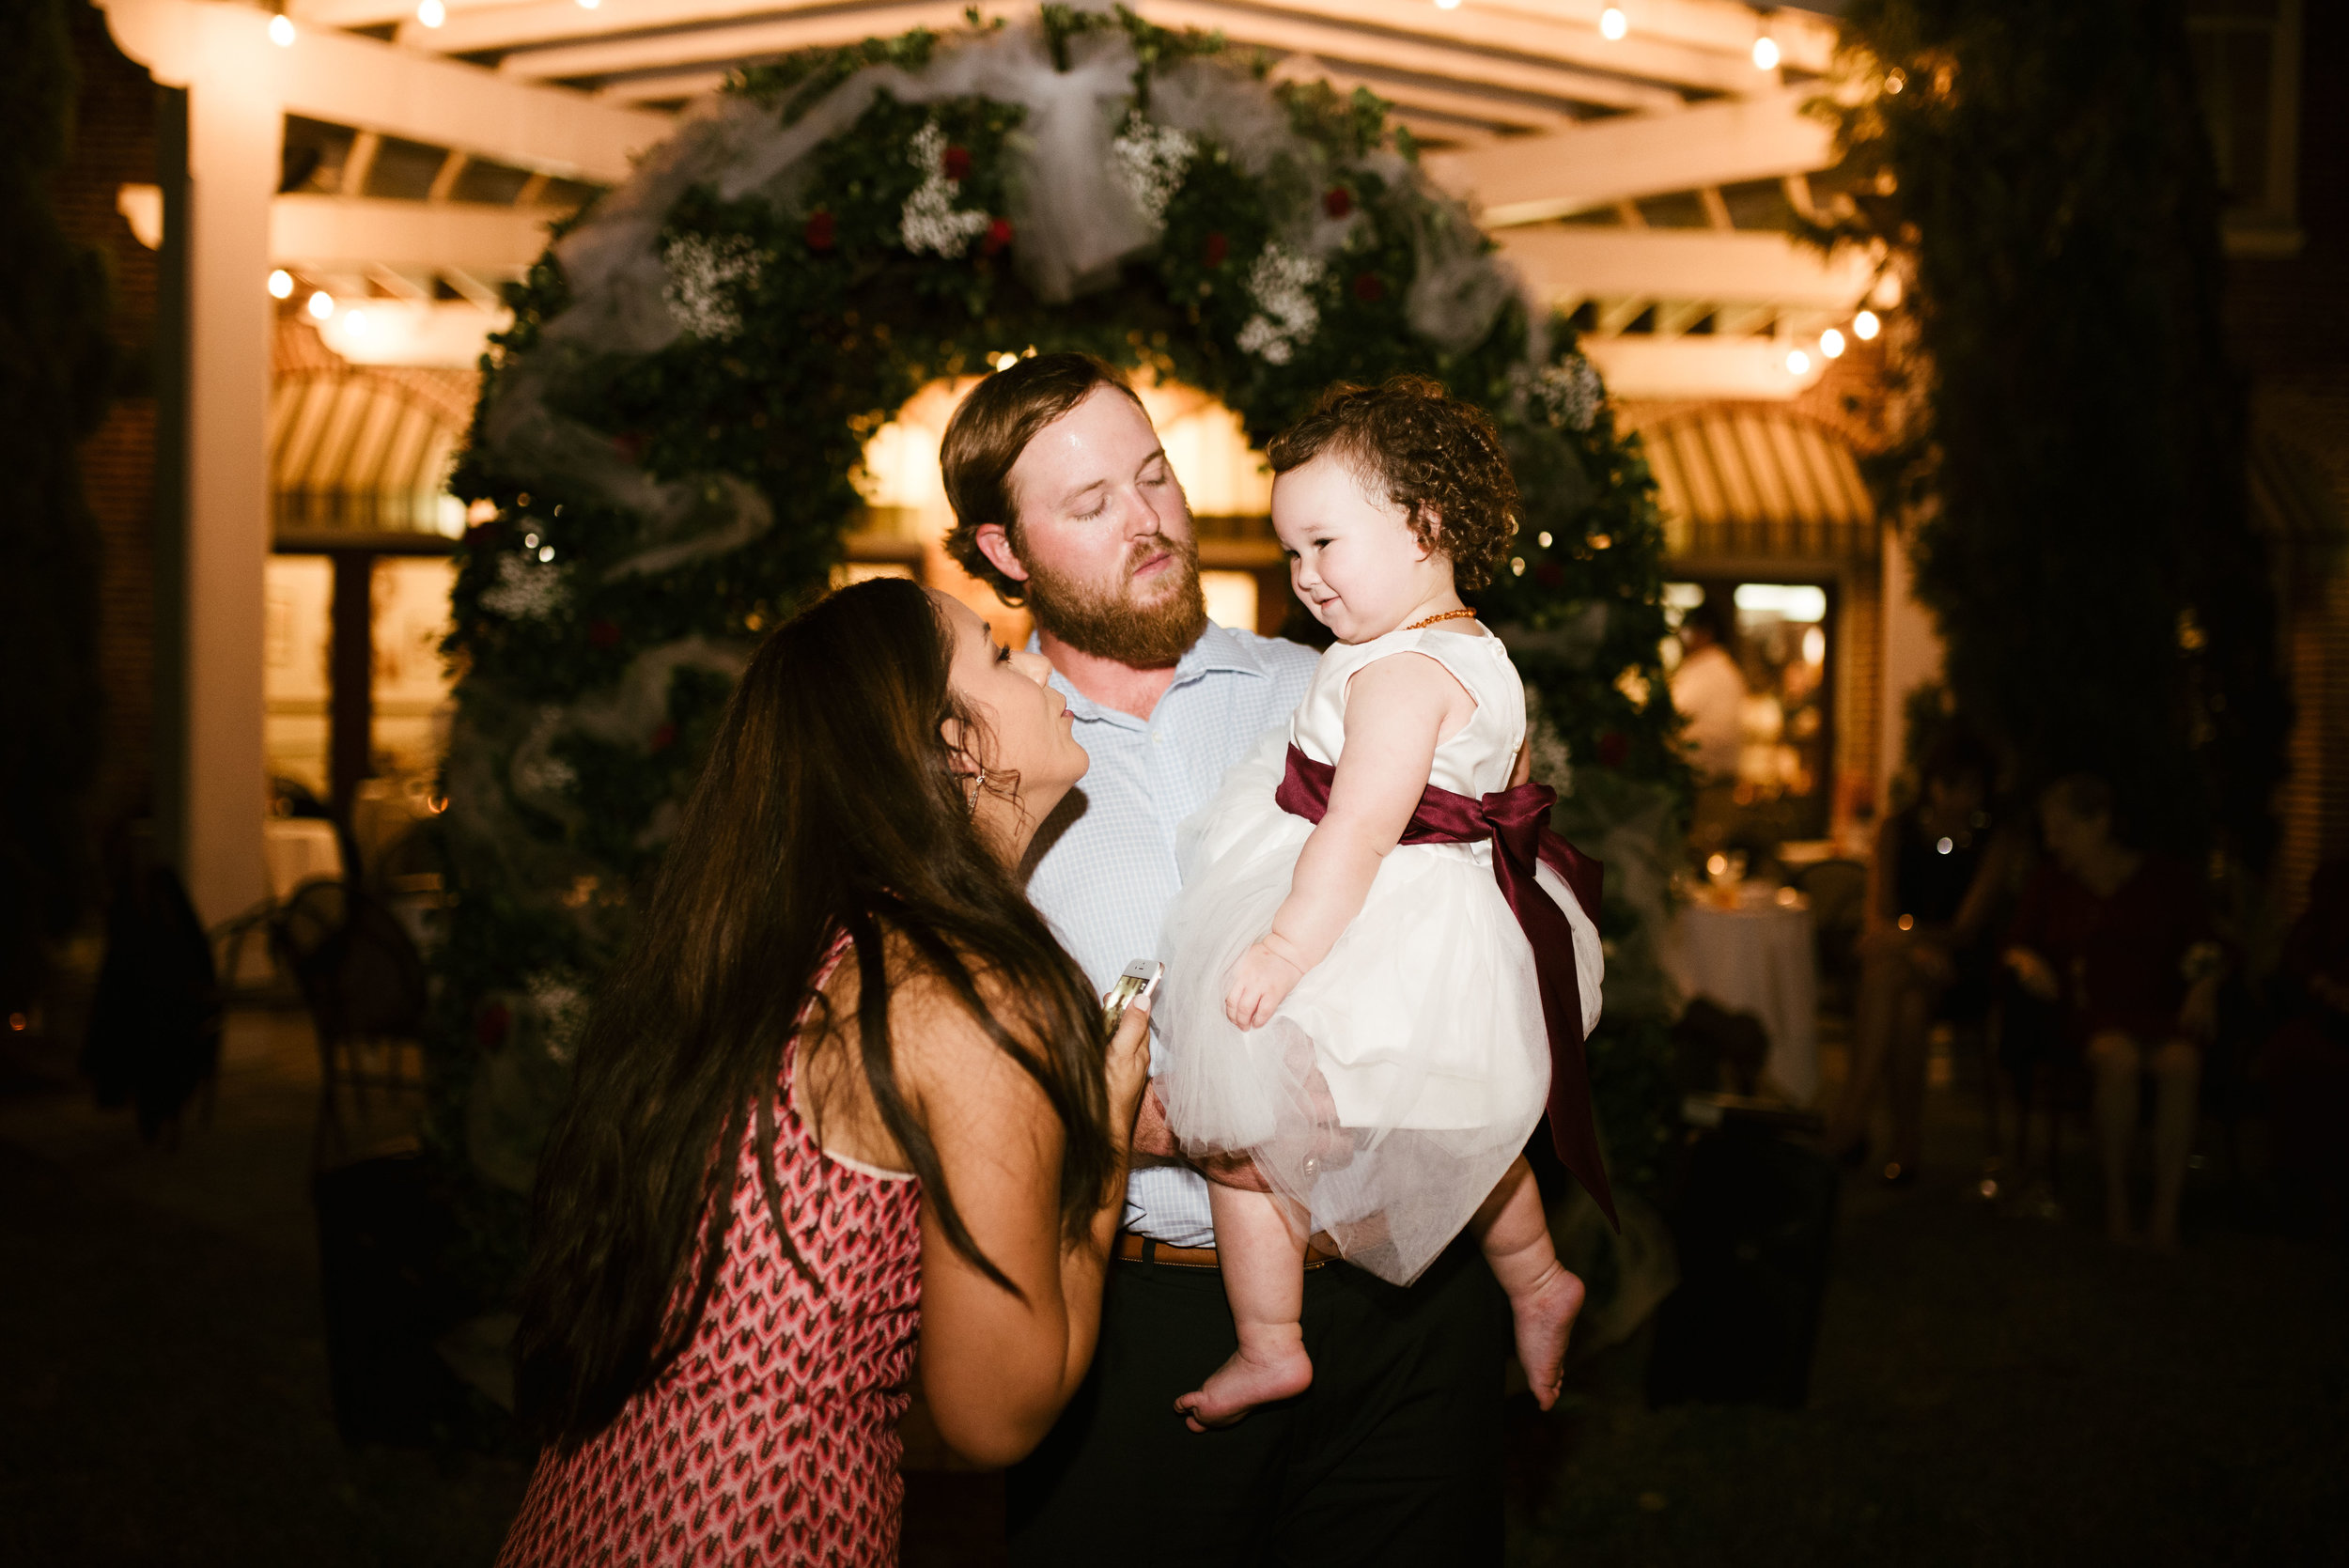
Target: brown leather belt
[1140,1249]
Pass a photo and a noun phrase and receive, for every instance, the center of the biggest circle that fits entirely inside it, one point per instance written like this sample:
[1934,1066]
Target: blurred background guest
[1709,692]
[1937,879]
[2119,937]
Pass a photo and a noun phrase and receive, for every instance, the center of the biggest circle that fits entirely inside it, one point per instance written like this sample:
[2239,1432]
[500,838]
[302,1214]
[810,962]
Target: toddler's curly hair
[1433,456]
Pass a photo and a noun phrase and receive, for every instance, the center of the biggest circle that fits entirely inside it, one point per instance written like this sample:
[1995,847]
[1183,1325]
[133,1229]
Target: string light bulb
[432,12]
[589,5]
[1765,53]
[281,32]
[1796,361]
[1447,5]
[1865,325]
[355,322]
[281,284]
[1611,23]
[321,306]
[1831,343]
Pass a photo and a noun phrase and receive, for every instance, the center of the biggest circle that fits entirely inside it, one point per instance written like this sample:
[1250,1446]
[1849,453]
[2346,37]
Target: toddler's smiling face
[1353,558]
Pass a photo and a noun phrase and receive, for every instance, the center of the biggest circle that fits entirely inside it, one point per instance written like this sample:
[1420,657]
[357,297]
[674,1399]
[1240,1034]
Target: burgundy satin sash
[1517,822]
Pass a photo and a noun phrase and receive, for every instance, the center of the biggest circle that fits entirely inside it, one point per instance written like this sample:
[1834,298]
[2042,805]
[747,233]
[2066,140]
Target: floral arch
[663,460]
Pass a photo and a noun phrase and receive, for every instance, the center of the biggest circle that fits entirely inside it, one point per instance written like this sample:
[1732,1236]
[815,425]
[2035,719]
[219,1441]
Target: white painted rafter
[1564,264]
[1528,180]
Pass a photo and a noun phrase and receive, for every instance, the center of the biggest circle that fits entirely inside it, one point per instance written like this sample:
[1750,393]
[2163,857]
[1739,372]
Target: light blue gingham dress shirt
[1105,879]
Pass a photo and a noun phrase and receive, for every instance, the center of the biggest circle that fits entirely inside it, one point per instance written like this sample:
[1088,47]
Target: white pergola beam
[1706,368]
[322,232]
[1562,265]
[1550,32]
[356,81]
[716,45]
[1409,96]
[1328,34]
[1530,179]
[534,24]
[1321,35]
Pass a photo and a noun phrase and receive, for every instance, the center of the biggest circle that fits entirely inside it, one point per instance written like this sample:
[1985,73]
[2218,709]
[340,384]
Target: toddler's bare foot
[1275,1367]
[1544,1314]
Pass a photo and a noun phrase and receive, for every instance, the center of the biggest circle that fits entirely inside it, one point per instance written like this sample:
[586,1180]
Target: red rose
[1367,287]
[957,162]
[602,633]
[819,231]
[1612,748]
[490,1026]
[997,236]
[1338,202]
[1218,247]
[1549,574]
[665,736]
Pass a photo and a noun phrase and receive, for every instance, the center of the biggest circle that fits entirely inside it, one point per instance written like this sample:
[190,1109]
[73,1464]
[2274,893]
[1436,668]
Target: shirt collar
[1215,651]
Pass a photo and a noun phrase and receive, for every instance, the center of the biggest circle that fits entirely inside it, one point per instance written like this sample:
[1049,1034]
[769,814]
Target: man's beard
[1107,625]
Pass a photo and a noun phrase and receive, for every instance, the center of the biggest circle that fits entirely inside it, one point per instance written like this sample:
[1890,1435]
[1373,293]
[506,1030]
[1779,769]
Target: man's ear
[995,544]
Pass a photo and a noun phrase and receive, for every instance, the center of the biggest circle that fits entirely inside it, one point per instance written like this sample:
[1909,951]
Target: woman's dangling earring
[978,788]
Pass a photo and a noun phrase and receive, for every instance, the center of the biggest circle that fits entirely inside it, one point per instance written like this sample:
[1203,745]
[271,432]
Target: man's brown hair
[1429,453]
[986,437]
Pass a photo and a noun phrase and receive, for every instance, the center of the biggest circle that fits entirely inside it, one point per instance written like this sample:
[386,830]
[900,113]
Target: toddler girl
[1353,993]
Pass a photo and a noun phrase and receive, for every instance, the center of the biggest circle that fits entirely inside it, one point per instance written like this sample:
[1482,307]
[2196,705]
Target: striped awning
[353,452]
[1759,483]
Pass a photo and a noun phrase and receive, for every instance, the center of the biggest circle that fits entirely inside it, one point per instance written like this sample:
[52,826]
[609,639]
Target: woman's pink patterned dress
[774,1438]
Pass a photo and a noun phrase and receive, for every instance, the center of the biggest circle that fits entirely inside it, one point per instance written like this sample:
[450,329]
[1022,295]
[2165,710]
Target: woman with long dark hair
[844,1086]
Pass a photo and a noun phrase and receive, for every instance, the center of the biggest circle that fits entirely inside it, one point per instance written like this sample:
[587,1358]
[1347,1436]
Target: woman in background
[1934,889]
[844,1085]
[2120,939]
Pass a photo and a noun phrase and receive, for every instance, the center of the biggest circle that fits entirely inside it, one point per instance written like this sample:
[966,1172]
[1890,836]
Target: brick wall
[2287,330]
[114,145]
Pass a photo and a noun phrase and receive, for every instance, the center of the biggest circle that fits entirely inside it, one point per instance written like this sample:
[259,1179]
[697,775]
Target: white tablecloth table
[1757,960]
[299,848]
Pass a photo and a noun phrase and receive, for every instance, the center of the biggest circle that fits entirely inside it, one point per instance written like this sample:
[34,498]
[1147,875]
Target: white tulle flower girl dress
[1405,1072]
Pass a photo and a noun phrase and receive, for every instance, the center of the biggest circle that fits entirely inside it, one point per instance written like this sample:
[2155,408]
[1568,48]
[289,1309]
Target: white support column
[233,151]
[1912,657]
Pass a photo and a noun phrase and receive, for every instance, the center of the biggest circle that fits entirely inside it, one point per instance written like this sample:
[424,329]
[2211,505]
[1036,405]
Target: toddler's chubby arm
[1397,711]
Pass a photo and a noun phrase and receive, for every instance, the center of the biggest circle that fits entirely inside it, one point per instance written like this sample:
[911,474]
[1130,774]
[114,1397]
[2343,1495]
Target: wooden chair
[364,982]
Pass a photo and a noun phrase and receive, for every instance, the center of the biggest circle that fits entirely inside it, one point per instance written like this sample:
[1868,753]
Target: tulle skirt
[1406,1071]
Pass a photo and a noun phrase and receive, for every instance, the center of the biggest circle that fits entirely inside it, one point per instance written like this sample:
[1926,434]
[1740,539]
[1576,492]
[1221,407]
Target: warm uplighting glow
[1765,53]
[1831,344]
[1611,23]
[321,306]
[1796,361]
[355,322]
[1005,361]
[281,32]
[1814,646]
[281,284]
[1864,326]
[432,12]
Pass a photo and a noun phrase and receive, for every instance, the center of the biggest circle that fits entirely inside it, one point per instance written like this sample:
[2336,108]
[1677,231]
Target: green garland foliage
[2041,173]
[56,367]
[815,322]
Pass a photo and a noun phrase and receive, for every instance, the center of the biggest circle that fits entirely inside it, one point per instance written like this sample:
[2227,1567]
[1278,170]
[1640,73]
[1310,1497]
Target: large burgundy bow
[1517,822]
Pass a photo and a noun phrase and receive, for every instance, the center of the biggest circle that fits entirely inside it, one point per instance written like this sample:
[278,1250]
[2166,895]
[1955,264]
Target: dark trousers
[1393,1455]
